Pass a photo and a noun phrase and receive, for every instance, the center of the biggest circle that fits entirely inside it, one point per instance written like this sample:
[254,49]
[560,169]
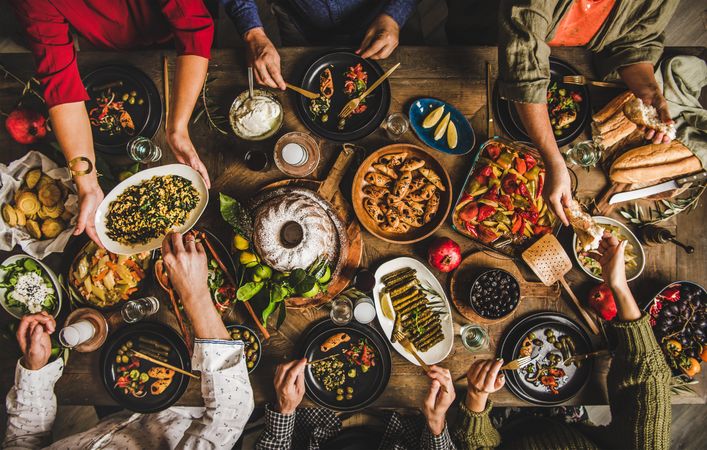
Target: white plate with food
[635,258]
[421,304]
[28,286]
[139,212]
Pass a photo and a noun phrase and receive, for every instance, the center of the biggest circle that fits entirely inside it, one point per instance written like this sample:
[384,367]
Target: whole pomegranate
[601,300]
[26,126]
[444,254]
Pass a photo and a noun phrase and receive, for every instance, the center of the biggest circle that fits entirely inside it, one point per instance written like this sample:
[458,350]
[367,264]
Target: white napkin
[10,181]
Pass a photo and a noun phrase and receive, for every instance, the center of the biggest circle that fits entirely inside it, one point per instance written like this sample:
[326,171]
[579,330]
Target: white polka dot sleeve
[227,394]
[31,406]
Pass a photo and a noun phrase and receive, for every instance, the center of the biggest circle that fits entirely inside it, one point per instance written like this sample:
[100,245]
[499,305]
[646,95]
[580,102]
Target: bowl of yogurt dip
[257,118]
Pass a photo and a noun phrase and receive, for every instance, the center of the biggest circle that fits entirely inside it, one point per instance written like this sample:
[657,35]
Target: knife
[657,189]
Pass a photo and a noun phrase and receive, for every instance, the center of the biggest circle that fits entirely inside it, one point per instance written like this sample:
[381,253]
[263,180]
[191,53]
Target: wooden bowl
[414,234]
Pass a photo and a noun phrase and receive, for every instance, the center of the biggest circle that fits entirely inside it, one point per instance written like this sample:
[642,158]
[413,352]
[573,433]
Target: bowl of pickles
[251,344]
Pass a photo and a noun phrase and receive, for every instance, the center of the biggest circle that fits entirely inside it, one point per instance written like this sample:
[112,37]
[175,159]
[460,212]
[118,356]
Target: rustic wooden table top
[455,75]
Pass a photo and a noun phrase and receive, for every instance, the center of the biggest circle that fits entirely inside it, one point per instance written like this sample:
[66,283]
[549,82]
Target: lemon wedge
[452,137]
[442,127]
[386,306]
[433,117]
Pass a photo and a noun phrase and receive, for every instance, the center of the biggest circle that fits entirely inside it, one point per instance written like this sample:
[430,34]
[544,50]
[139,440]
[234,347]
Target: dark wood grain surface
[455,75]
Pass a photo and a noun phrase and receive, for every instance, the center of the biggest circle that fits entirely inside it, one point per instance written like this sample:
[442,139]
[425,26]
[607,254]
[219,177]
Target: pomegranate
[26,126]
[444,255]
[601,300]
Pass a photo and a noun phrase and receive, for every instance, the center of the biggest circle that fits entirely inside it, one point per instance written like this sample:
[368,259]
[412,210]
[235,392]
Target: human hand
[90,197]
[380,39]
[438,401]
[33,335]
[610,256]
[263,57]
[186,266]
[483,379]
[184,151]
[654,97]
[557,190]
[289,385]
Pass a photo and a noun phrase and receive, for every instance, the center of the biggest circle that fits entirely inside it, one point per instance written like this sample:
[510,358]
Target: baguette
[652,155]
[647,116]
[652,174]
[612,107]
[624,128]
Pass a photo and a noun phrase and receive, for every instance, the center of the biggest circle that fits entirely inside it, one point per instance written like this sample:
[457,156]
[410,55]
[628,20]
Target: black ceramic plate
[178,357]
[146,117]
[367,386]
[357,125]
[510,121]
[537,323]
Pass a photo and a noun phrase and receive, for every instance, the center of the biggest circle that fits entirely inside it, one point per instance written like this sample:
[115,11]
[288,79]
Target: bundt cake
[292,231]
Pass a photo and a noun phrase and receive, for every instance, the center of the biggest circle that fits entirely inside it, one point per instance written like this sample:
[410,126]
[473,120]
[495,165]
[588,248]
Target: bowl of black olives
[679,320]
[494,294]
[251,349]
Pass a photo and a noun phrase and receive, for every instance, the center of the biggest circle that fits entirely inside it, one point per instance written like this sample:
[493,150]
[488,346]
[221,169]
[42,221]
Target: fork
[512,365]
[582,80]
[403,340]
[354,102]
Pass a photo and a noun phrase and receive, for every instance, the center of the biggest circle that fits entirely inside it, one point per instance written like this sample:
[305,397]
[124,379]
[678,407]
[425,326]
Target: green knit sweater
[639,395]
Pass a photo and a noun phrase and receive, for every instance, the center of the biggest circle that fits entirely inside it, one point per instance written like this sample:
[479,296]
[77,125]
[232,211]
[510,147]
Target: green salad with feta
[28,287]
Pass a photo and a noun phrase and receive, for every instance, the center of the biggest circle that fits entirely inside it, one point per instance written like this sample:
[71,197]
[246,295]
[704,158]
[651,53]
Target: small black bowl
[511,302]
[247,345]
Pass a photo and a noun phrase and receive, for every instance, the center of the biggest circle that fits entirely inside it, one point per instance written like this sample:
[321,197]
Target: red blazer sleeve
[49,40]
[191,24]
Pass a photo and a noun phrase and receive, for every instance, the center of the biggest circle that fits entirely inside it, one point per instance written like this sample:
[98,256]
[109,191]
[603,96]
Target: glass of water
[141,308]
[341,310]
[396,125]
[474,337]
[584,154]
[143,150]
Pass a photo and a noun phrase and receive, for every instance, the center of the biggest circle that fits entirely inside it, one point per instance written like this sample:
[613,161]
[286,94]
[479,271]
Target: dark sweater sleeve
[639,391]
[474,431]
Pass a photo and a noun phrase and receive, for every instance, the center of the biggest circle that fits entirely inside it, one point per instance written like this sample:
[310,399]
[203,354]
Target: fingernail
[502,376]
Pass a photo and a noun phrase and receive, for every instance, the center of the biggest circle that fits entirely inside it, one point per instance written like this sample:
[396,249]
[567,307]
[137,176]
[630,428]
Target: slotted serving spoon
[550,262]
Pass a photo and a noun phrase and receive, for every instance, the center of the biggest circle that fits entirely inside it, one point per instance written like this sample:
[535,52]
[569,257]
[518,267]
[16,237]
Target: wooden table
[455,75]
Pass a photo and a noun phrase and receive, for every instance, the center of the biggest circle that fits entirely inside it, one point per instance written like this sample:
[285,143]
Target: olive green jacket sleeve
[639,391]
[632,33]
[474,431]
[523,54]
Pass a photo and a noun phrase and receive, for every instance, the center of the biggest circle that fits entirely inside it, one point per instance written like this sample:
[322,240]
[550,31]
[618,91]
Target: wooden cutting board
[473,265]
[329,190]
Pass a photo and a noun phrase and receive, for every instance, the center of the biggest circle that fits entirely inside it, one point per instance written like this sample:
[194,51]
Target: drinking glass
[341,311]
[474,337]
[136,310]
[257,160]
[143,150]
[396,125]
[584,154]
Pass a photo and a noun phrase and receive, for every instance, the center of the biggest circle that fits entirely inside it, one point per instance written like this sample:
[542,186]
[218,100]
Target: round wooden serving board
[414,234]
[328,189]
[473,265]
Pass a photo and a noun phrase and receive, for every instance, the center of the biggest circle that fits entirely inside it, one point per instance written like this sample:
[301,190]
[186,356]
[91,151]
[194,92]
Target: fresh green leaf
[281,316]
[297,276]
[236,216]
[278,292]
[306,285]
[249,290]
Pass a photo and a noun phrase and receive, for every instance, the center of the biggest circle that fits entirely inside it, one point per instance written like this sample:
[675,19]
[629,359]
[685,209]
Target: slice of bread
[646,115]
[589,233]
[616,104]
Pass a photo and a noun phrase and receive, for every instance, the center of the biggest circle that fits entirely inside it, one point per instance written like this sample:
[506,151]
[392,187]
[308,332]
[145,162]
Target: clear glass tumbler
[143,150]
[138,309]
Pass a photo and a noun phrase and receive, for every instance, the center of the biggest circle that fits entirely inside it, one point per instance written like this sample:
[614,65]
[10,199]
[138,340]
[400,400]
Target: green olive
[255,346]
[133,93]
[125,97]
[131,100]
[125,359]
[140,101]
[250,364]
[339,398]
[339,391]
[349,396]
[129,344]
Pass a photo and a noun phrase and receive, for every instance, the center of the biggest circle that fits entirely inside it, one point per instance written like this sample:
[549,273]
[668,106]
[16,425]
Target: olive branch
[208,108]
[663,209]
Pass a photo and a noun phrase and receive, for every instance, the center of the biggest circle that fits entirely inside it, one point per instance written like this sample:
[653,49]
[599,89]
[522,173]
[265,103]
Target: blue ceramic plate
[420,108]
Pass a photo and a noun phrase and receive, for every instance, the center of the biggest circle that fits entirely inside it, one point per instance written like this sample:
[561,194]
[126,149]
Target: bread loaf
[654,162]
[612,107]
[647,116]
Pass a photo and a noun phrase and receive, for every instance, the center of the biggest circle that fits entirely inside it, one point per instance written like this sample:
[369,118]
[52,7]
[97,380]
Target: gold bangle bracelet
[78,160]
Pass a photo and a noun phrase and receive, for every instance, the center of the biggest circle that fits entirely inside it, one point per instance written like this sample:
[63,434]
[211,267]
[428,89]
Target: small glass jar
[584,154]
[396,125]
[341,310]
[139,309]
[474,337]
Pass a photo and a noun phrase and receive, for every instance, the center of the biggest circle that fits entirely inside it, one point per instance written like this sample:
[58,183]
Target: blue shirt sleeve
[400,10]
[243,13]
